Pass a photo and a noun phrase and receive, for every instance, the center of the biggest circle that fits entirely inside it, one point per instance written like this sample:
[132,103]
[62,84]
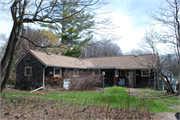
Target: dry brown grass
[28,107]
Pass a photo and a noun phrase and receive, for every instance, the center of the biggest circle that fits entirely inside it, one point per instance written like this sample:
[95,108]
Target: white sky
[130,17]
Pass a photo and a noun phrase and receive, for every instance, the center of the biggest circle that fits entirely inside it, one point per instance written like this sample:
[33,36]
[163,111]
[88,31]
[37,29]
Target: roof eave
[66,67]
[112,67]
[103,67]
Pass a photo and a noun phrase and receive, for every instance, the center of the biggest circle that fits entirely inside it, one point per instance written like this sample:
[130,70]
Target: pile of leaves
[29,107]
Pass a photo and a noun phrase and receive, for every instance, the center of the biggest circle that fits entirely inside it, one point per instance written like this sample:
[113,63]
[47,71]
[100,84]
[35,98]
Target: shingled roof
[125,61]
[61,61]
[119,62]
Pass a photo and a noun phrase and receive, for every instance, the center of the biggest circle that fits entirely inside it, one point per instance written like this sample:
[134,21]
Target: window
[28,71]
[57,71]
[75,72]
[96,72]
[116,73]
[145,73]
[123,73]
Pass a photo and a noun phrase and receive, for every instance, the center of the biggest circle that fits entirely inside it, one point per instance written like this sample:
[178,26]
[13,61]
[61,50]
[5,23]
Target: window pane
[116,72]
[145,72]
[28,71]
[57,72]
[123,73]
[75,72]
[96,72]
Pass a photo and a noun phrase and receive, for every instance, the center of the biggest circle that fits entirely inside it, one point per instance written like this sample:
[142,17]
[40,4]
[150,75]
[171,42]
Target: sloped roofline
[117,56]
[90,67]
[29,51]
[55,54]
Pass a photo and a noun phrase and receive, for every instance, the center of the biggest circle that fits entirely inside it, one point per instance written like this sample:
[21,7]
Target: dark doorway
[138,78]
[108,78]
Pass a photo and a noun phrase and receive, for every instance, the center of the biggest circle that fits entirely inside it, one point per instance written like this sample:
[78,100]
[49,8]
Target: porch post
[154,79]
[134,78]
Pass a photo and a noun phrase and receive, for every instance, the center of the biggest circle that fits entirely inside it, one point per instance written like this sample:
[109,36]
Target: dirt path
[137,93]
[159,116]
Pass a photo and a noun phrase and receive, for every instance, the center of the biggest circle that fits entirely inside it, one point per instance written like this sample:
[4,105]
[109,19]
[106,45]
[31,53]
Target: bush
[85,81]
[11,82]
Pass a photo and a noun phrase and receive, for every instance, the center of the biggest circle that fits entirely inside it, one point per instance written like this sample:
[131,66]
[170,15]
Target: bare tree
[25,12]
[24,45]
[170,63]
[136,52]
[3,46]
[101,49]
[167,17]
[156,62]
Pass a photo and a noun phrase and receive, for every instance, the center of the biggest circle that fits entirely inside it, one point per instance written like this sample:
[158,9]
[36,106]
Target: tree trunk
[6,56]
[179,74]
[8,67]
[10,50]
[168,84]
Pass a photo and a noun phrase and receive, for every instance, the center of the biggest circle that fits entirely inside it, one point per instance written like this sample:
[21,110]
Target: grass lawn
[163,97]
[113,97]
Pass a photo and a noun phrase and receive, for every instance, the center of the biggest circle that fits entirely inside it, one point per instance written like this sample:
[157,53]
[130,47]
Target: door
[131,78]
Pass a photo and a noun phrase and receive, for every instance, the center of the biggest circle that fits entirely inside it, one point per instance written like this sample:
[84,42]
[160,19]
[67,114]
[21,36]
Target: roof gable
[25,55]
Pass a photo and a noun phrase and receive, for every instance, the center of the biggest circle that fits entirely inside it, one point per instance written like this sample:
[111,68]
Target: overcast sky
[130,16]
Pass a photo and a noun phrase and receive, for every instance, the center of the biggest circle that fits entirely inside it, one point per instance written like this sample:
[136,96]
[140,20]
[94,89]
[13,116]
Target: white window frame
[77,73]
[25,72]
[96,70]
[116,73]
[145,70]
[60,72]
[121,73]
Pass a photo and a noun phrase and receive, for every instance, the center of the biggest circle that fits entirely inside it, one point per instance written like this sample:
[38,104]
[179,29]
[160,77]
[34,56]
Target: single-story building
[37,67]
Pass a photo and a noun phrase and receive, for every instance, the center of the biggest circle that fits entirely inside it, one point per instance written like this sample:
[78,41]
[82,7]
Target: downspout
[43,81]
[155,79]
